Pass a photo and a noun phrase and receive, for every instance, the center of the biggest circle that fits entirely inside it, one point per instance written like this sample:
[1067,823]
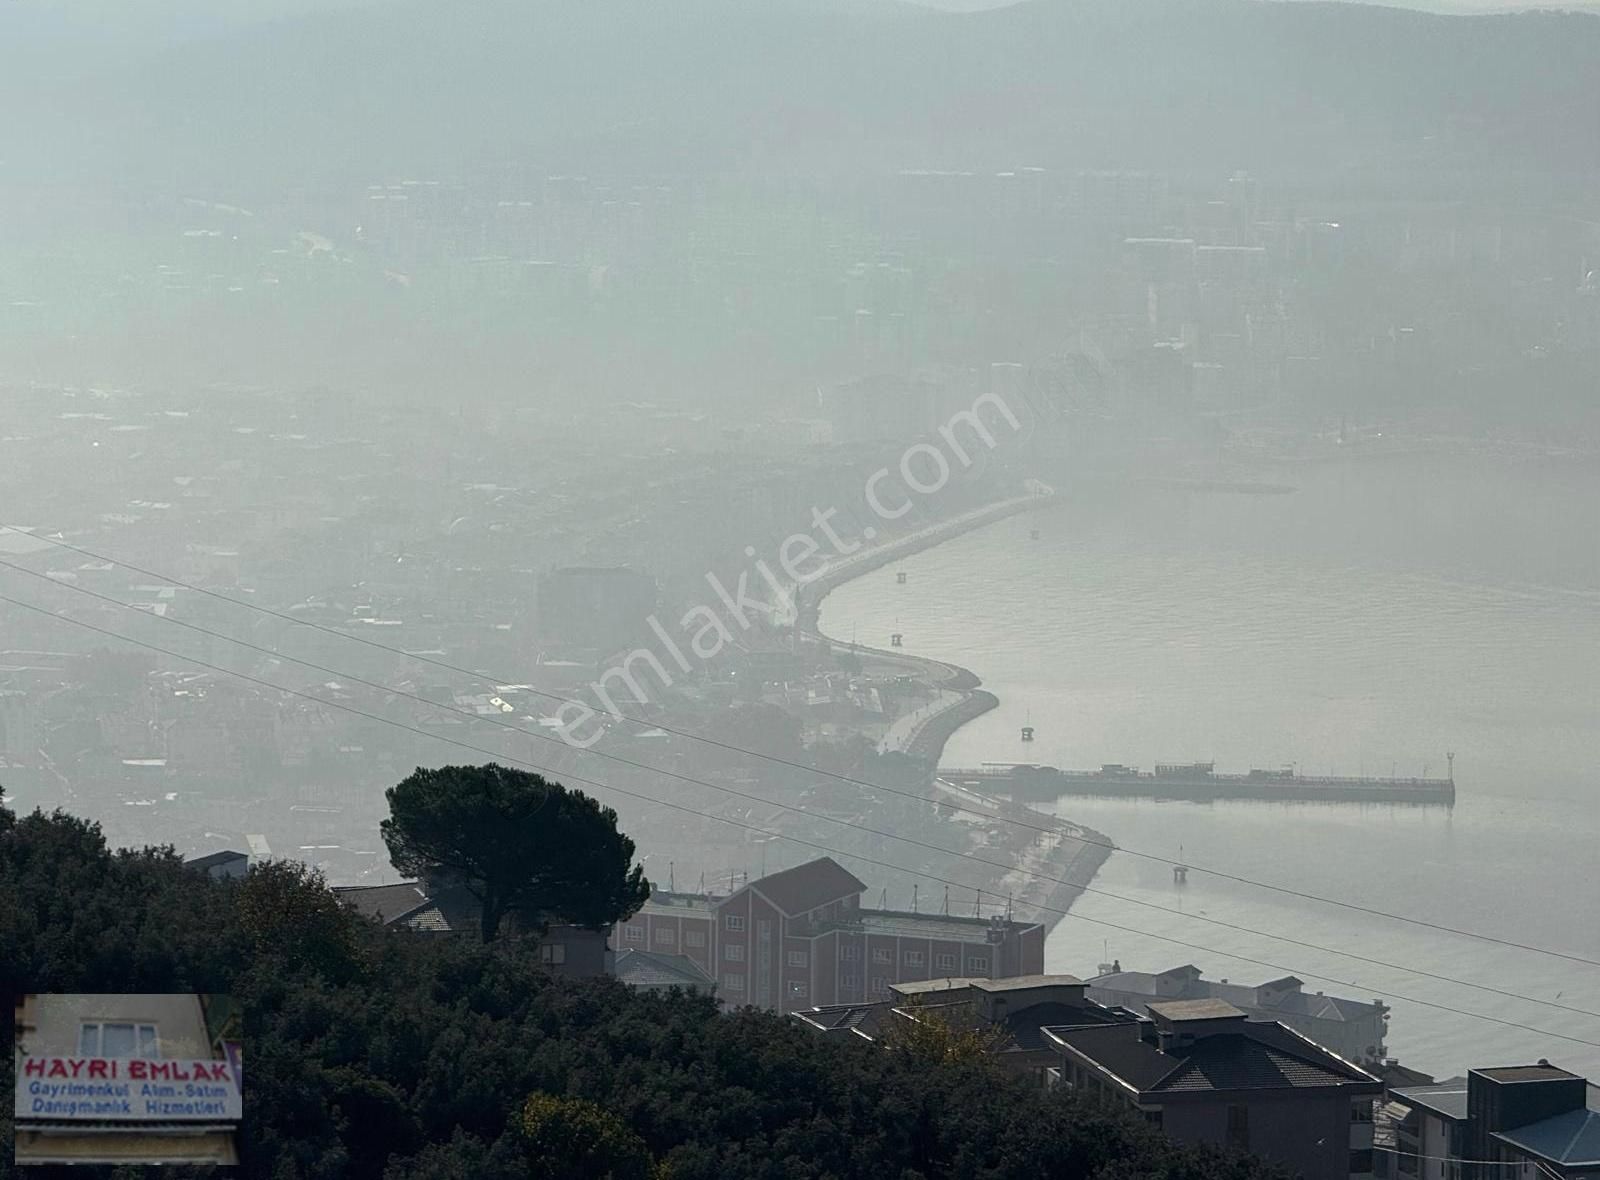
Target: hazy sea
[1389,610]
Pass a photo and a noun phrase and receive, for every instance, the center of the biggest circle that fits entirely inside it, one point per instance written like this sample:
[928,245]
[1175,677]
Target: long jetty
[1198,782]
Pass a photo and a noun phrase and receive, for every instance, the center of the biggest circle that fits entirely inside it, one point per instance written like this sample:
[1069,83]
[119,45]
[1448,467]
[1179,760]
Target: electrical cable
[767,832]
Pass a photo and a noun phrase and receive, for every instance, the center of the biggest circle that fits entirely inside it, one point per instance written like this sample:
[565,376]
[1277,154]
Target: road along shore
[1037,864]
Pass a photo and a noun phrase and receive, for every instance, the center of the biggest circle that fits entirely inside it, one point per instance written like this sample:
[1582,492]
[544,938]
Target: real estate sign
[124,1089]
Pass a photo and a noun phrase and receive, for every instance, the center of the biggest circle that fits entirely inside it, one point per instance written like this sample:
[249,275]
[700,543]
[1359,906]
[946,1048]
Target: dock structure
[1199,781]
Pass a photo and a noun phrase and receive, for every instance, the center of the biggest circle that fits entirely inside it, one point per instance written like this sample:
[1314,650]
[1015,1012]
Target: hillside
[384,1056]
[705,86]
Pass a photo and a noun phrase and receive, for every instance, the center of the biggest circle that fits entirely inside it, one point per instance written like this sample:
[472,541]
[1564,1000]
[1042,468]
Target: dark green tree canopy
[565,1137]
[378,1054]
[518,843]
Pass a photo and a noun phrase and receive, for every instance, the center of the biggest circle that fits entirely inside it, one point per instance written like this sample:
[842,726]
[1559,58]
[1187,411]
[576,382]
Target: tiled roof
[1025,1027]
[1118,1050]
[844,1019]
[809,886]
[648,969]
[1233,1062]
[407,905]
[1571,1139]
[214,859]
[1258,1056]
[428,919]
[384,902]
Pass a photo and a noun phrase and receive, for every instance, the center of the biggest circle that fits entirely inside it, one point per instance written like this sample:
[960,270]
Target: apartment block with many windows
[801,938]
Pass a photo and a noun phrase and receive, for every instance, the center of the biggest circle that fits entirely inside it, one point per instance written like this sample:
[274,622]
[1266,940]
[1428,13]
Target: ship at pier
[1197,781]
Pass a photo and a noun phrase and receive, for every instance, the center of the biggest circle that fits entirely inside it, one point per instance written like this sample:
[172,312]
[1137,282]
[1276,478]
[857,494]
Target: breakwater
[1051,860]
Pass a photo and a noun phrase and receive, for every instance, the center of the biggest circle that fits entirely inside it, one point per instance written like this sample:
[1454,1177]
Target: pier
[1196,781]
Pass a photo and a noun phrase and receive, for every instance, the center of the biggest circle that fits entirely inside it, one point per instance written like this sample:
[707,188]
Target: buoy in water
[900,577]
[1027,733]
[894,640]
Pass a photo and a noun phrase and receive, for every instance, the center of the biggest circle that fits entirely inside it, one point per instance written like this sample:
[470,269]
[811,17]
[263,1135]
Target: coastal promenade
[1051,859]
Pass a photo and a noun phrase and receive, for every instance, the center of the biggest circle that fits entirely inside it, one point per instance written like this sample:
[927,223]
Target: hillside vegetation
[377,1055]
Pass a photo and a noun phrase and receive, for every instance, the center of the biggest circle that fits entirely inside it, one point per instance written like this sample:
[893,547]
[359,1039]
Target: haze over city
[1091,501]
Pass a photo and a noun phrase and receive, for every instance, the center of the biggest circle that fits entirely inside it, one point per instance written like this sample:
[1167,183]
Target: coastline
[1068,855]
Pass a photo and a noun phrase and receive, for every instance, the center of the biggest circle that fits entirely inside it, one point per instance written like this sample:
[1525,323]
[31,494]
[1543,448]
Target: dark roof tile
[809,886]
[1259,1055]
[212,860]
[387,903]
[648,969]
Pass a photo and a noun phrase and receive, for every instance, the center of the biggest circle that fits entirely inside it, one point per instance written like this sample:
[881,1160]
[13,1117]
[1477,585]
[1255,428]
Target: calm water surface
[1386,612]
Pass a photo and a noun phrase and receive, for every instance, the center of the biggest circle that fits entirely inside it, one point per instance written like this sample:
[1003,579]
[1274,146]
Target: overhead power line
[852,824]
[780,761]
[775,835]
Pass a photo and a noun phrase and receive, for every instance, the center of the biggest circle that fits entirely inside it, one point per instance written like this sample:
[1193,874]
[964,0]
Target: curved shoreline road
[1065,854]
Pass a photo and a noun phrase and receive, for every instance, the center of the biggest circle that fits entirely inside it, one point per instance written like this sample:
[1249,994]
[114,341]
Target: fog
[758,414]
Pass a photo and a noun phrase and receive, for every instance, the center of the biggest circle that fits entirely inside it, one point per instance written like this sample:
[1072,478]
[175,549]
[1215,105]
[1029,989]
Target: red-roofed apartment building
[801,938]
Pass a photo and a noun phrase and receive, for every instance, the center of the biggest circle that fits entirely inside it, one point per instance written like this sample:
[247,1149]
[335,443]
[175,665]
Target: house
[570,951]
[800,939]
[167,1086]
[221,864]
[1205,1073]
[1008,1014]
[1354,1029]
[1421,1132]
[1523,1122]
[652,972]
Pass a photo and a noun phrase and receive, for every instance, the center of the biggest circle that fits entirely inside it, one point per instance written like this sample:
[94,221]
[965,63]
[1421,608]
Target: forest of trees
[387,1056]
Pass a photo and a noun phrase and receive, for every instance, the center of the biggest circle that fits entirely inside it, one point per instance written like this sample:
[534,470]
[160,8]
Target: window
[914,958]
[553,953]
[947,962]
[118,1040]
[694,938]
[1239,1127]
[733,983]
[633,933]
[1361,1161]
[849,954]
[880,955]
[733,952]
[978,964]
[733,921]
[1361,1110]
[880,985]
[799,958]
[664,934]
[798,990]
[848,980]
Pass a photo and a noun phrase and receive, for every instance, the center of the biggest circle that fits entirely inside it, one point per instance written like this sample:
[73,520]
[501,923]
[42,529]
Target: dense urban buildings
[1354,1029]
[1531,1122]
[1006,1017]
